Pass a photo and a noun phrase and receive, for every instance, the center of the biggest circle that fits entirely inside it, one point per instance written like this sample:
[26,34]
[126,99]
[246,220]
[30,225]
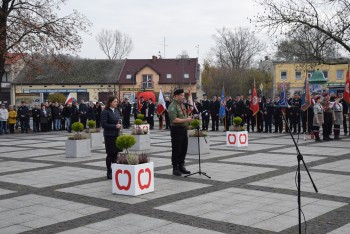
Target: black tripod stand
[199,157]
[300,158]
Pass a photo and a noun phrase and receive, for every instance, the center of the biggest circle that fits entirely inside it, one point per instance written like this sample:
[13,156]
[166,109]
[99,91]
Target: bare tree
[114,44]
[307,45]
[236,48]
[331,18]
[33,27]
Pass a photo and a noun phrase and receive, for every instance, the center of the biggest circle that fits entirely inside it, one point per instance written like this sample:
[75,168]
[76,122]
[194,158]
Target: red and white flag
[254,104]
[347,88]
[69,99]
[161,103]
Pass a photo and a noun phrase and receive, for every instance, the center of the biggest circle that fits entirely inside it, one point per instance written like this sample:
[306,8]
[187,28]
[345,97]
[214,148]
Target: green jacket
[177,110]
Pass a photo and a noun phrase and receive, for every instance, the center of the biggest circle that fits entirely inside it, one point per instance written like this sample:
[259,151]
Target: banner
[305,100]
[347,88]
[161,103]
[283,100]
[69,99]
[254,104]
[222,112]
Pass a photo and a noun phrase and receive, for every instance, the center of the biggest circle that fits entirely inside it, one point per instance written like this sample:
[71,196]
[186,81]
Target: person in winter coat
[12,119]
[4,115]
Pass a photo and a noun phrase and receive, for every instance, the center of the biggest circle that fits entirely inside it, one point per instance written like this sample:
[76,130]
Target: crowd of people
[326,111]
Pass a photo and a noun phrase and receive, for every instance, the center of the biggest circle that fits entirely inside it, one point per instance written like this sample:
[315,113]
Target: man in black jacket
[36,118]
[23,115]
[214,112]
[82,112]
[126,111]
[205,112]
[150,113]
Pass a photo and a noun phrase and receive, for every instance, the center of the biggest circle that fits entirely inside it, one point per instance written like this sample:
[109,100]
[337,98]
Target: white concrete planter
[193,145]
[143,127]
[78,148]
[96,140]
[132,180]
[237,139]
[143,143]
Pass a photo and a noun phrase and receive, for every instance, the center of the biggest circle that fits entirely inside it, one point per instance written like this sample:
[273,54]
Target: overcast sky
[184,24]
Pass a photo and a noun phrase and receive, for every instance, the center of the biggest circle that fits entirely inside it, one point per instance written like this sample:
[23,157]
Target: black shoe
[109,175]
[183,170]
[176,171]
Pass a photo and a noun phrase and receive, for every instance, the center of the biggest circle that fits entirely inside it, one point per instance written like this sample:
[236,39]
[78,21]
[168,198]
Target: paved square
[252,189]
[163,187]
[224,172]
[244,207]
[28,212]
[126,224]
[285,160]
[331,184]
[50,177]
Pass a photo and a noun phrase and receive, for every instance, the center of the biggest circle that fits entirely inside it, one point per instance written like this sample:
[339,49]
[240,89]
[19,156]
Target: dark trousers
[278,123]
[36,124]
[260,123]
[111,151]
[268,123]
[295,122]
[310,120]
[23,123]
[205,121]
[167,121]
[179,144]
[126,121]
[12,128]
[250,122]
[327,126]
[227,122]
[150,121]
[345,125]
[44,127]
[83,120]
[214,122]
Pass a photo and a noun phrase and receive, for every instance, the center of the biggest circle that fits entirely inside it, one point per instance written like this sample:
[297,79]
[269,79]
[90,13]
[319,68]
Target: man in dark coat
[126,111]
[36,118]
[205,112]
[150,113]
[23,115]
[82,112]
[214,112]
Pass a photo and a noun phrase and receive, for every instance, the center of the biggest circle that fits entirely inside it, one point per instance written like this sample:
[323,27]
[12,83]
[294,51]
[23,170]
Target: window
[297,75]
[325,73]
[5,78]
[309,73]
[283,75]
[128,76]
[168,76]
[186,76]
[147,82]
[340,74]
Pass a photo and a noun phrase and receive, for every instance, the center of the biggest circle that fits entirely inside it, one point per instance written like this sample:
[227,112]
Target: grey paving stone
[341,230]
[341,165]
[15,166]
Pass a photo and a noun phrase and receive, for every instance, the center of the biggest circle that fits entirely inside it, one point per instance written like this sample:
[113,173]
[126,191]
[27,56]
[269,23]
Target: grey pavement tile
[280,141]
[285,160]
[15,229]
[341,230]
[32,153]
[162,187]
[330,184]
[22,142]
[5,150]
[47,144]
[224,172]
[315,150]
[15,166]
[5,191]
[49,177]
[212,154]
[62,158]
[32,211]
[251,210]
[341,165]
[251,147]
[158,162]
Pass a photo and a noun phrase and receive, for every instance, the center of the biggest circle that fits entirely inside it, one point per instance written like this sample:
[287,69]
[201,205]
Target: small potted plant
[78,144]
[96,136]
[239,136]
[194,134]
[143,141]
[133,174]
[141,124]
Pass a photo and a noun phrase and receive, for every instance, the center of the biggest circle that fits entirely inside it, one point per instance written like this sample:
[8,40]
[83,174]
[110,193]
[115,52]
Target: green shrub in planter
[195,123]
[91,124]
[138,122]
[125,142]
[140,116]
[78,128]
[237,121]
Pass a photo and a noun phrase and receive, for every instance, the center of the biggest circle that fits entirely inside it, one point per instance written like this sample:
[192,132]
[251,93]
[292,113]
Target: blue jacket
[109,120]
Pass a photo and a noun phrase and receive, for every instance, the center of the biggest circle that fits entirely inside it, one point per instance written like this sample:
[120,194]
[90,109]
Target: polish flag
[347,88]
[69,99]
[161,104]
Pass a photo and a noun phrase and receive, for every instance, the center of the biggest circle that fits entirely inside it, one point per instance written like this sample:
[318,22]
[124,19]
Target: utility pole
[164,45]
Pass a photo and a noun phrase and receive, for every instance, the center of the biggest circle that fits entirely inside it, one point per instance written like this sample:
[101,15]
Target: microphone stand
[300,158]
[199,157]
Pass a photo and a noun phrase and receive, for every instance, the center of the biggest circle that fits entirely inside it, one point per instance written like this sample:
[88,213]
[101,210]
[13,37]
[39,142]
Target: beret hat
[178,91]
